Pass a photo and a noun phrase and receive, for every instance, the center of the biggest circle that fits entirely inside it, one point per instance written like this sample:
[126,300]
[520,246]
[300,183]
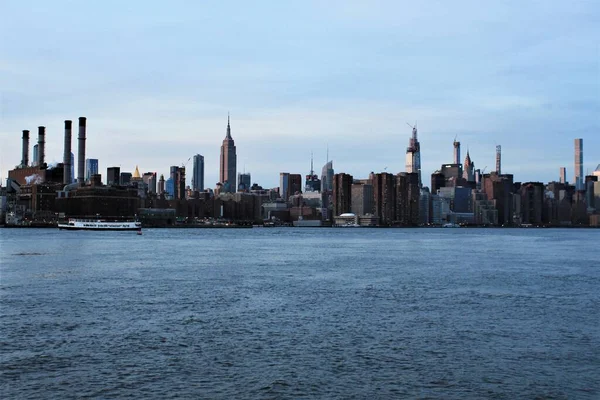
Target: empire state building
[227,174]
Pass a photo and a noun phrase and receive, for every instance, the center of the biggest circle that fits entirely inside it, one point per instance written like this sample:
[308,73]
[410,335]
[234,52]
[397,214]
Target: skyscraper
[284,185]
[342,194]
[456,152]
[73,177]
[91,168]
[579,164]
[413,154]
[34,163]
[228,161]
[198,173]
[113,176]
[563,175]
[469,169]
[244,182]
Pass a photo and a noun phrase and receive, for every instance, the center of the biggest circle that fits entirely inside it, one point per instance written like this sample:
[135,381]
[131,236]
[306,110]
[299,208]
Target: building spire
[228,136]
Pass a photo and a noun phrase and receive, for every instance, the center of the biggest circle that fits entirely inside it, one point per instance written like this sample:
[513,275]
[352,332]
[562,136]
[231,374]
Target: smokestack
[81,152]
[25,158]
[67,178]
[41,146]
[498,160]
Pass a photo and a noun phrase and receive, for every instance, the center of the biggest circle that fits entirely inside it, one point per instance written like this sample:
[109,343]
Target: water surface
[291,313]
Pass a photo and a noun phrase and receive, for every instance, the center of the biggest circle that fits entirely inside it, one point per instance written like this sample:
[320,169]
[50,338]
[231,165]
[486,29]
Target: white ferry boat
[99,225]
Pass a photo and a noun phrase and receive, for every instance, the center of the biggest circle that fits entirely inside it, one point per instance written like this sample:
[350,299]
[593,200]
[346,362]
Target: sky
[157,79]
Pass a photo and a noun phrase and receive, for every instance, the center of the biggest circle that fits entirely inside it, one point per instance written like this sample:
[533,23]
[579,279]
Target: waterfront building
[407,199]
[198,173]
[579,164]
[499,189]
[424,206]
[362,199]
[227,172]
[383,197]
[459,198]
[91,168]
[532,201]
[342,194]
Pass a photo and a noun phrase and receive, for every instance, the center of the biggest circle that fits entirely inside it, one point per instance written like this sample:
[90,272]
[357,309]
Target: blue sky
[157,79]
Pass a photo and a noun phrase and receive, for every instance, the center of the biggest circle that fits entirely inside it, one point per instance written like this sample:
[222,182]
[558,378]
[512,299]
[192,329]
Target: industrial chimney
[67,179]
[499,160]
[81,152]
[25,158]
[41,146]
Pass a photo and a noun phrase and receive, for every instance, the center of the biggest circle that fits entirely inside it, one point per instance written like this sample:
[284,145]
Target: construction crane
[183,164]
[483,170]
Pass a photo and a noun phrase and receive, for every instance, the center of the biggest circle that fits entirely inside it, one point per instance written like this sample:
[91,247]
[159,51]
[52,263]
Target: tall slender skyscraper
[413,154]
[456,152]
[563,175]
[579,164]
[198,173]
[228,161]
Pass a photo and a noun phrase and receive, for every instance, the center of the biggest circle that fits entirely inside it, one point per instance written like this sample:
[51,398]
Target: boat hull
[76,228]
[99,225]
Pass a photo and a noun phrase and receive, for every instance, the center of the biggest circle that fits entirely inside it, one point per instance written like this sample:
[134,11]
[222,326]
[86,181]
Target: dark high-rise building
[342,194]
[579,164]
[438,180]
[284,185]
[362,199]
[295,184]
[198,173]
[452,174]
[113,176]
[407,199]
[244,182]
[180,183]
[227,171]
[383,197]
[499,189]
[327,189]
[125,178]
[532,202]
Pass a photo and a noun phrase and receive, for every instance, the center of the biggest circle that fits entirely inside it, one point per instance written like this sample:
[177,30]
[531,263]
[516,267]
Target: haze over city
[157,80]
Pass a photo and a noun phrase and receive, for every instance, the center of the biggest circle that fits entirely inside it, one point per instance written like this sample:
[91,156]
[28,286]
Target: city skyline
[349,77]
